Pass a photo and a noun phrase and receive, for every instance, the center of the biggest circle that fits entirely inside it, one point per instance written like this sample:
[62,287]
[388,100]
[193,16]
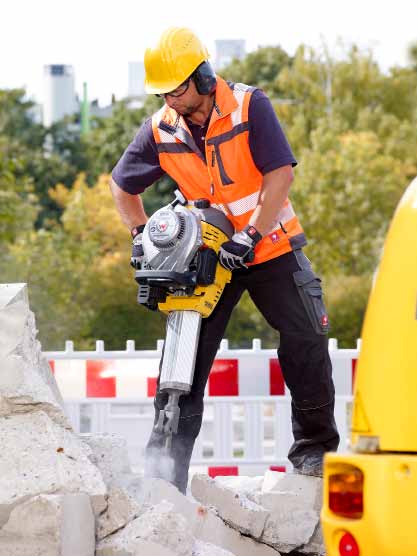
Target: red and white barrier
[133,374]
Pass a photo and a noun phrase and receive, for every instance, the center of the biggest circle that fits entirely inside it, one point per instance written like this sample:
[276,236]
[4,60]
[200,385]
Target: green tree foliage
[110,136]
[345,193]
[80,281]
[260,68]
[346,300]
[23,150]
[15,119]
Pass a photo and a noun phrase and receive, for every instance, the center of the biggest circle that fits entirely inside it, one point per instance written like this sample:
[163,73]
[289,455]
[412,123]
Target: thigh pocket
[309,288]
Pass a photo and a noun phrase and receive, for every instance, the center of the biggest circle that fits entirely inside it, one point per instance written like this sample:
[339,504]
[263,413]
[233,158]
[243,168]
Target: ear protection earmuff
[204,78]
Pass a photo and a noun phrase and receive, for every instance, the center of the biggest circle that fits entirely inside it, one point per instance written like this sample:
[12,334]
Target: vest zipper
[213,161]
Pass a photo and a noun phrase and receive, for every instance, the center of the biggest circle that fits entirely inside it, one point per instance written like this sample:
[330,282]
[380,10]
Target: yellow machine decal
[204,298]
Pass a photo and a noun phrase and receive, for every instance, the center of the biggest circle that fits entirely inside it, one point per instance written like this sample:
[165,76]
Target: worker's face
[186,103]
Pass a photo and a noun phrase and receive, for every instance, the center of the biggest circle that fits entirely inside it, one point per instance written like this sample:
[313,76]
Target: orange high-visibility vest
[229,179]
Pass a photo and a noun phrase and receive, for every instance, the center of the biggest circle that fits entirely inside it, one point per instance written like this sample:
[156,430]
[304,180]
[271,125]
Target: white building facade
[59,93]
[227,50]
[136,79]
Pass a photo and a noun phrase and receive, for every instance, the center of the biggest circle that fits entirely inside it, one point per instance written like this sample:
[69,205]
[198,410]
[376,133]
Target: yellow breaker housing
[370,495]
[204,298]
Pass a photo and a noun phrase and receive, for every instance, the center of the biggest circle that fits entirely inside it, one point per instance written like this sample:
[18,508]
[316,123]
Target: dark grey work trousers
[277,291]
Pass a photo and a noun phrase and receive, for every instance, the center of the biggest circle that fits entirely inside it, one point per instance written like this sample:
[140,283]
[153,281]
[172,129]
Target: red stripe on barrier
[222,471]
[151,381]
[223,379]
[97,385]
[276,379]
[280,468]
[52,366]
[354,362]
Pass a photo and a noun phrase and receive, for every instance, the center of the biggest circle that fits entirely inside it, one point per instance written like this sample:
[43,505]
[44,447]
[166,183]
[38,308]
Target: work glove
[137,248]
[237,251]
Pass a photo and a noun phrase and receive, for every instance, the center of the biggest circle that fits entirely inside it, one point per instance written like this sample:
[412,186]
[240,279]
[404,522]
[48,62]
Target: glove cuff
[253,234]
[137,230]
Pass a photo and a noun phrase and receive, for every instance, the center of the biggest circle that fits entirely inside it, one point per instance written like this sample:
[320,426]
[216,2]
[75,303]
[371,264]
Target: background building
[227,49]
[136,79]
[59,93]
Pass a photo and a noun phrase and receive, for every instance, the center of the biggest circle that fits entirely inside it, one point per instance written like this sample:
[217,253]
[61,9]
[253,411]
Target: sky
[99,38]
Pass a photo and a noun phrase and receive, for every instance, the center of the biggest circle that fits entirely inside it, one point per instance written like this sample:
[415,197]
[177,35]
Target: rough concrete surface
[50,525]
[234,507]
[288,504]
[38,456]
[62,493]
[159,525]
[109,454]
[203,521]
[26,382]
[294,503]
[208,549]
[121,509]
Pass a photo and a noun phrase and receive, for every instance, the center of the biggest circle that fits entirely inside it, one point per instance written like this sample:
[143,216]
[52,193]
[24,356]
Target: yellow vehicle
[370,494]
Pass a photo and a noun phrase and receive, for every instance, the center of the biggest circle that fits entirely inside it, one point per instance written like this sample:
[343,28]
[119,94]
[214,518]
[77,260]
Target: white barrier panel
[132,374]
[240,435]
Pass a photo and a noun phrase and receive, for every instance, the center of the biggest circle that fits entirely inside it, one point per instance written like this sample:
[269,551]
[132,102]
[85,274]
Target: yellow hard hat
[178,53]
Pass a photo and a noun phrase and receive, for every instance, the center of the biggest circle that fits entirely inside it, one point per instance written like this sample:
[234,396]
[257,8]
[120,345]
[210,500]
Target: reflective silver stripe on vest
[239,207]
[239,92]
[243,205]
[285,215]
[166,137]
[248,203]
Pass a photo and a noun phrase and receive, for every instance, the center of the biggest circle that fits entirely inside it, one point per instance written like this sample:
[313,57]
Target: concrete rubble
[63,493]
[26,382]
[279,510]
[204,521]
[121,509]
[50,524]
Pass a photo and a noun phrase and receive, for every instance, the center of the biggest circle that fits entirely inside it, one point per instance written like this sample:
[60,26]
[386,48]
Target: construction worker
[222,141]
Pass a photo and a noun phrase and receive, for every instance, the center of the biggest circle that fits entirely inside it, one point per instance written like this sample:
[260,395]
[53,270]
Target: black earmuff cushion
[205,78]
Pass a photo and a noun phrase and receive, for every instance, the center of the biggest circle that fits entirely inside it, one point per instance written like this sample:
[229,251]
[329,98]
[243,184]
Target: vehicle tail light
[348,545]
[346,492]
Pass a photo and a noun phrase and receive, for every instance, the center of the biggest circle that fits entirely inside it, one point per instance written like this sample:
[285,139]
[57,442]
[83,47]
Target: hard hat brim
[160,89]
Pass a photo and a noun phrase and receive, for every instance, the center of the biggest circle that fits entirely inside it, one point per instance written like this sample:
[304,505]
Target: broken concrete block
[11,293]
[50,525]
[311,488]
[160,526]
[294,503]
[121,509]
[141,547]
[271,480]
[316,544]
[109,454]
[208,549]
[26,381]
[14,307]
[40,457]
[233,506]
[203,522]
[247,486]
